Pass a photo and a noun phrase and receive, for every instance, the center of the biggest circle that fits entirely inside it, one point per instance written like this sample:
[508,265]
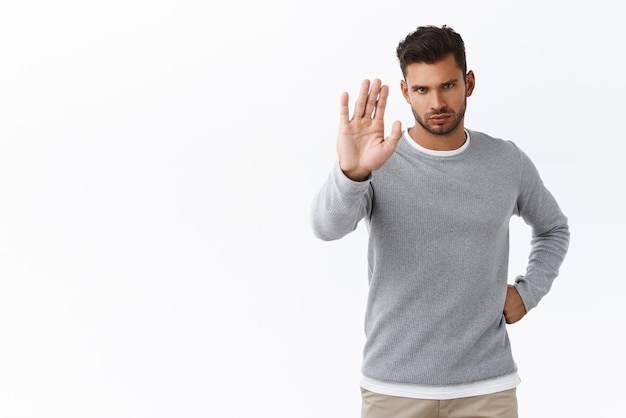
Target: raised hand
[361,142]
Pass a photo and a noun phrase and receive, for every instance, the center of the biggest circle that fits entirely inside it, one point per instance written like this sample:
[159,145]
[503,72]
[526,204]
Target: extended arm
[362,148]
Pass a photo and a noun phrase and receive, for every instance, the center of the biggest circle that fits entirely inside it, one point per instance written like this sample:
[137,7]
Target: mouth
[439,119]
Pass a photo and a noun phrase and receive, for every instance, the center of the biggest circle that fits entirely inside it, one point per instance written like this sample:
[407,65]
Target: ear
[405,91]
[470,83]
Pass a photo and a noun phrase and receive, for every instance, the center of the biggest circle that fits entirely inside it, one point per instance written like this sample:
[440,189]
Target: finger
[396,133]
[361,102]
[344,112]
[379,111]
[372,99]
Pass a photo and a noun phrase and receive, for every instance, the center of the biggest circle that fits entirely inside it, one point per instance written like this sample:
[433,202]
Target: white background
[158,160]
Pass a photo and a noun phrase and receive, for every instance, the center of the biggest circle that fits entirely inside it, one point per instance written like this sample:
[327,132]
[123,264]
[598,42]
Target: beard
[448,127]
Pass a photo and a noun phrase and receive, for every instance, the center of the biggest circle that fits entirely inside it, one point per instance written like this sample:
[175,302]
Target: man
[437,199]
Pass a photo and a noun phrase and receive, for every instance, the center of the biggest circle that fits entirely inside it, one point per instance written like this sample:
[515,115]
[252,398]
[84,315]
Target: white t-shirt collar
[436,153]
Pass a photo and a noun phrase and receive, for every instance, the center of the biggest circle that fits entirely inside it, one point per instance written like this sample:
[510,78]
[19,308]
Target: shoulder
[489,140]
[492,146]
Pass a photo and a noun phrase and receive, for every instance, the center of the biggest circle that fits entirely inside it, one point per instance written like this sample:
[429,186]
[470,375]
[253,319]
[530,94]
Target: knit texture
[438,256]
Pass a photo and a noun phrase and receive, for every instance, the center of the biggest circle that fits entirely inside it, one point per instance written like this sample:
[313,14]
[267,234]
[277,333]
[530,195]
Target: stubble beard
[441,130]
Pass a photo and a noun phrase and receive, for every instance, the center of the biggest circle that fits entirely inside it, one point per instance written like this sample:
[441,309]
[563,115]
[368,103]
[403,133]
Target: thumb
[396,133]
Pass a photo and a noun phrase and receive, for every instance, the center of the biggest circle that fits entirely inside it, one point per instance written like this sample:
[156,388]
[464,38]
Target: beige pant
[495,405]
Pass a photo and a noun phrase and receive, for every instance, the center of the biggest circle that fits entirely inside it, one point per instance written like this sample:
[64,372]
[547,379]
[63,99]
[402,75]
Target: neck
[449,142]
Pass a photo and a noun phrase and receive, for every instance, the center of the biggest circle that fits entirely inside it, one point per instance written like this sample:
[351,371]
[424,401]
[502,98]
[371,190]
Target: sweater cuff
[528,298]
[347,185]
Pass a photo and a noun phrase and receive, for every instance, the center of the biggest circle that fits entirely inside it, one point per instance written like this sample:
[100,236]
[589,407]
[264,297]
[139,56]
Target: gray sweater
[438,256]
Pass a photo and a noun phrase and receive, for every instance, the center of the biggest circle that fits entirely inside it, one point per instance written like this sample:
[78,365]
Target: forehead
[423,74]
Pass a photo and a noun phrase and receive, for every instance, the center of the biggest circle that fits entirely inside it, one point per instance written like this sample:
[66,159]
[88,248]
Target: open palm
[361,142]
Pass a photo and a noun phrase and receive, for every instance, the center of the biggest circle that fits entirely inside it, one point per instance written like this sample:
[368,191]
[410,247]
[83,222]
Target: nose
[437,101]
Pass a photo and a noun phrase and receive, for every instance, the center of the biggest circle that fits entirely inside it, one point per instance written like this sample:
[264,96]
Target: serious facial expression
[438,94]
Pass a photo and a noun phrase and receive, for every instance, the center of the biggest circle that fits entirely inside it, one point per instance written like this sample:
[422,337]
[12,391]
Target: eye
[448,85]
[421,89]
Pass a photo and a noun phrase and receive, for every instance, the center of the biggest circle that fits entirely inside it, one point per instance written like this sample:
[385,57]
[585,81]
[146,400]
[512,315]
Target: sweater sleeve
[550,235]
[340,205]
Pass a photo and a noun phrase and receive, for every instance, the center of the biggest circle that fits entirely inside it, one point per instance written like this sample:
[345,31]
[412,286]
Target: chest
[446,195]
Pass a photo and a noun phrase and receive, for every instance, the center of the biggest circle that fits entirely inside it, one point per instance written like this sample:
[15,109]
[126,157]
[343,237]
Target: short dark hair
[429,44]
